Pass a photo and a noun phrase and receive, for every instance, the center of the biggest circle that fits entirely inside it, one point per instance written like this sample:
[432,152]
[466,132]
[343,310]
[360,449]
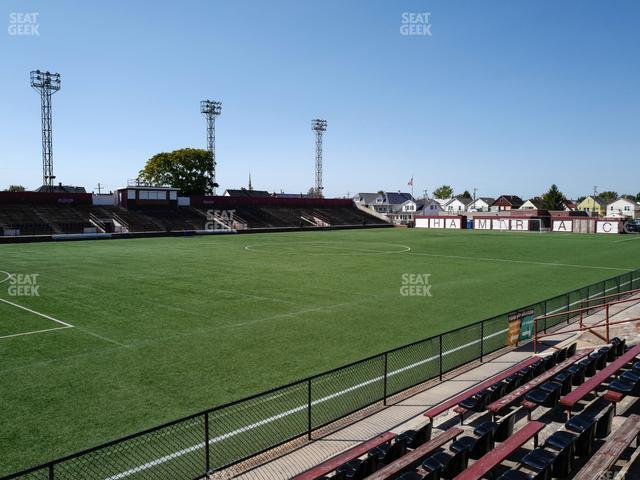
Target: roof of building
[513,200]
[61,189]
[243,192]
[397,198]
[487,200]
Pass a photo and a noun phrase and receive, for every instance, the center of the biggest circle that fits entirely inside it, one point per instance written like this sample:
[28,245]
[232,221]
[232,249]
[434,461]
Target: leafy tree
[465,194]
[445,191]
[638,197]
[15,188]
[189,169]
[608,196]
[581,199]
[553,199]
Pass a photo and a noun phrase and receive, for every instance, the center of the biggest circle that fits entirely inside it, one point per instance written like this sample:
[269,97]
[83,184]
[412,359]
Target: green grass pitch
[166,327]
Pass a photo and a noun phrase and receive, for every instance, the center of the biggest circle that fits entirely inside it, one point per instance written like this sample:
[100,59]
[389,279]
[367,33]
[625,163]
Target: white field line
[292,411]
[627,239]
[546,264]
[287,413]
[34,332]
[68,325]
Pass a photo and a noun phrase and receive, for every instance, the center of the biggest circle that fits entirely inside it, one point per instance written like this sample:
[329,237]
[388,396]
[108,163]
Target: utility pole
[99,188]
[319,126]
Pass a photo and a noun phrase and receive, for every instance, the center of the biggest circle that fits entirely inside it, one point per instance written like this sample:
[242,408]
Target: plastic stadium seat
[610,352]
[585,427]
[504,429]
[578,371]
[571,350]
[539,460]
[511,383]
[448,466]
[386,453]
[477,402]
[551,361]
[618,345]
[590,365]
[565,444]
[636,367]
[565,379]
[476,446]
[538,367]
[414,438]
[600,358]
[603,425]
[546,395]
[622,386]
[496,391]
[630,376]
[356,469]
[562,355]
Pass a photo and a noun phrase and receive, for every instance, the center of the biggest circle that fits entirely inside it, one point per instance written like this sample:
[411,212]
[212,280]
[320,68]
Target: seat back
[505,429]
[571,350]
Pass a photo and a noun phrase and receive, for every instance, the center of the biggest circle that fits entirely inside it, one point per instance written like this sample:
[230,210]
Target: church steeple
[250,187]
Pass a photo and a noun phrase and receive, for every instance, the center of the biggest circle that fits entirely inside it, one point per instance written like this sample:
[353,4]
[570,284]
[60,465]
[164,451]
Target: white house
[623,207]
[531,204]
[457,205]
[430,207]
[481,204]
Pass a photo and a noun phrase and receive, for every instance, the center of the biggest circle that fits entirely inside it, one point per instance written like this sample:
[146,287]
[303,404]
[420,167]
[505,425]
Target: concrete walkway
[407,413]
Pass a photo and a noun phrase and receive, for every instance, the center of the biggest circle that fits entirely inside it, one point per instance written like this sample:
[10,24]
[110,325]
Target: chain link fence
[192,447]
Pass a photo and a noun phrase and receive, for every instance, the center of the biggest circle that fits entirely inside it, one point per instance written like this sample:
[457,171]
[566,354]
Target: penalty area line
[35,332]
[68,325]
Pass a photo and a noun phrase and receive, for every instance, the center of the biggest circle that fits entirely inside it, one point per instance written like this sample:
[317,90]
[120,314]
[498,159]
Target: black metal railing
[220,437]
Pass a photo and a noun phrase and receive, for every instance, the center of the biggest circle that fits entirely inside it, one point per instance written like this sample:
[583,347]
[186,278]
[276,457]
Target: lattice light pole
[319,126]
[46,84]
[211,109]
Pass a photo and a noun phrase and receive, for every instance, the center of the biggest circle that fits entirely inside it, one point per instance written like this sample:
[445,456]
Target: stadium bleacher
[507,447]
[47,219]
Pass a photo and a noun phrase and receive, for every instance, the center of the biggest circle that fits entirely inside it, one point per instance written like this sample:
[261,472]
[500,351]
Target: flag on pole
[410,183]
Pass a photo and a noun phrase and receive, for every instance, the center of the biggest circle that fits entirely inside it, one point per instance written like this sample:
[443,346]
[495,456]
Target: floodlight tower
[211,109]
[319,126]
[46,83]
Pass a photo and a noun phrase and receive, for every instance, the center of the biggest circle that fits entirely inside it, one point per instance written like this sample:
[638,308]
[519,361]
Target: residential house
[623,207]
[532,204]
[506,202]
[594,206]
[570,206]
[398,207]
[457,205]
[481,204]
[429,207]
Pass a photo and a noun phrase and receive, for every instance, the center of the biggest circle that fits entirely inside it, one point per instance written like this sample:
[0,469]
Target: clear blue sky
[505,96]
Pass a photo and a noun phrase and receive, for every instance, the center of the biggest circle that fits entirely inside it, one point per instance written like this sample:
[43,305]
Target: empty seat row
[557,457]
[378,457]
[479,401]
[548,394]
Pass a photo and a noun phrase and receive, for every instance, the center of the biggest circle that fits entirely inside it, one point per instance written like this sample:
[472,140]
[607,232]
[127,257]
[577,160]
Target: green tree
[189,169]
[445,191]
[465,194]
[638,197]
[15,188]
[580,199]
[608,196]
[553,199]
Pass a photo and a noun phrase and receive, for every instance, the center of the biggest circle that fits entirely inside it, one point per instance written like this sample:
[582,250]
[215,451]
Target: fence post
[607,317]
[309,409]
[440,356]
[386,371]
[207,447]
[568,307]
[481,341]
[545,316]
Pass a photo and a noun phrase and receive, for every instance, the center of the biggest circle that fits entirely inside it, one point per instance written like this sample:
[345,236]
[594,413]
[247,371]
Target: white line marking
[102,338]
[36,313]
[286,413]
[358,251]
[8,276]
[519,261]
[627,239]
[301,408]
[34,332]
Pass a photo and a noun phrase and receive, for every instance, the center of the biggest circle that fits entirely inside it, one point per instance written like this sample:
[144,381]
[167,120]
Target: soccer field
[127,334]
